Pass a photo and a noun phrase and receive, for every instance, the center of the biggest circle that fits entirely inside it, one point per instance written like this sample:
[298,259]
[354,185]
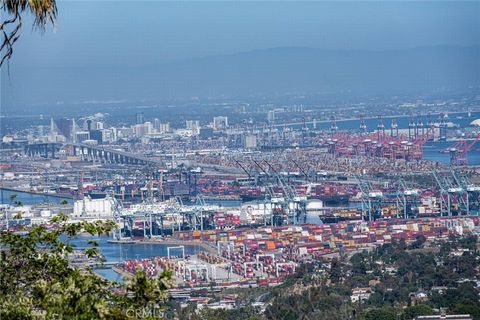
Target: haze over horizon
[188,49]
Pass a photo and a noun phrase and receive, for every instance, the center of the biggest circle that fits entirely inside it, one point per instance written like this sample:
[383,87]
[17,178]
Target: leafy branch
[36,279]
[43,11]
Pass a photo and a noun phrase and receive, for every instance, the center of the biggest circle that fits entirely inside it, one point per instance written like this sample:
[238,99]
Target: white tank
[45,213]
[376,194]
[314,205]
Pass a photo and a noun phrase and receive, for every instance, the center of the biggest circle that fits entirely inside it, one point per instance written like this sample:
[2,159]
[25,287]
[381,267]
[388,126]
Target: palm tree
[13,196]
[11,11]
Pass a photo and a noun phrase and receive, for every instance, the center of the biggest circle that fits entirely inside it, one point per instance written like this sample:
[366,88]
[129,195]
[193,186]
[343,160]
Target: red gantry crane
[458,152]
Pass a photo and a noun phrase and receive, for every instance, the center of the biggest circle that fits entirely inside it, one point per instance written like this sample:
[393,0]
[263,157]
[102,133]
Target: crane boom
[301,169]
[243,168]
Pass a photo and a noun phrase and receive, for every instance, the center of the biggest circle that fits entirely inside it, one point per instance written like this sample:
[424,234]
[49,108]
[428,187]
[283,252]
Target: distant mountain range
[296,69]
[269,72]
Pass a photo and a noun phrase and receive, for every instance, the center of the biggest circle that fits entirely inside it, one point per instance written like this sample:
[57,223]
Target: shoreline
[174,242]
[54,195]
[125,275]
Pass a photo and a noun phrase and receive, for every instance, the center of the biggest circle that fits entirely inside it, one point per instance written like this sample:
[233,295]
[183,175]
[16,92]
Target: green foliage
[419,242]
[42,12]
[398,272]
[335,270]
[415,311]
[245,313]
[36,280]
[17,203]
[384,313]
[465,293]
[468,242]
[313,302]
[467,307]
[18,216]
[146,292]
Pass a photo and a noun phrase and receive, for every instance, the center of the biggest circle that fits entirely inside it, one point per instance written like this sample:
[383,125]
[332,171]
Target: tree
[385,313]
[244,313]
[419,242]
[467,307]
[36,280]
[43,11]
[415,311]
[13,197]
[358,263]
[335,270]
[64,202]
[469,242]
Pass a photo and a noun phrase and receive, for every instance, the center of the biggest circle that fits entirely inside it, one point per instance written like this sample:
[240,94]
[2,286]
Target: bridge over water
[108,155]
[90,153]
[103,154]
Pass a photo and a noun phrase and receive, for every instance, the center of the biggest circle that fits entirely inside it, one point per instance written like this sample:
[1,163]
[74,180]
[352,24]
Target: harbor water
[29,198]
[435,151]
[118,252]
[461,119]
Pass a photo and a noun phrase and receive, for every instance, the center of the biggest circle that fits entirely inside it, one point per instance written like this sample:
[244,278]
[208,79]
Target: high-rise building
[81,136]
[164,127]
[143,129]
[97,136]
[193,125]
[220,123]
[250,141]
[149,127]
[109,135]
[122,133]
[63,127]
[156,124]
[139,118]
[205,133]
[271,116]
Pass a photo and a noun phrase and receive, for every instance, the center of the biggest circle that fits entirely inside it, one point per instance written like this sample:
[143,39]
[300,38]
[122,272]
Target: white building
[142,129]
[124,132]
[164,127]
[250,141]
[220,123]
[193,125]
[156,124]
[271,116]
[360,294]
[93,208]
[109,135]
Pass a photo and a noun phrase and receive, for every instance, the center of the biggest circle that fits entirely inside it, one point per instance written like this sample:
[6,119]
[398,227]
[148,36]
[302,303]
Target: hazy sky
[121,34]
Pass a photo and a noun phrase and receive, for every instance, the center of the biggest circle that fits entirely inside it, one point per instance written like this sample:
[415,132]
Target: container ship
[337,215]
[332,199]
[330,194]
